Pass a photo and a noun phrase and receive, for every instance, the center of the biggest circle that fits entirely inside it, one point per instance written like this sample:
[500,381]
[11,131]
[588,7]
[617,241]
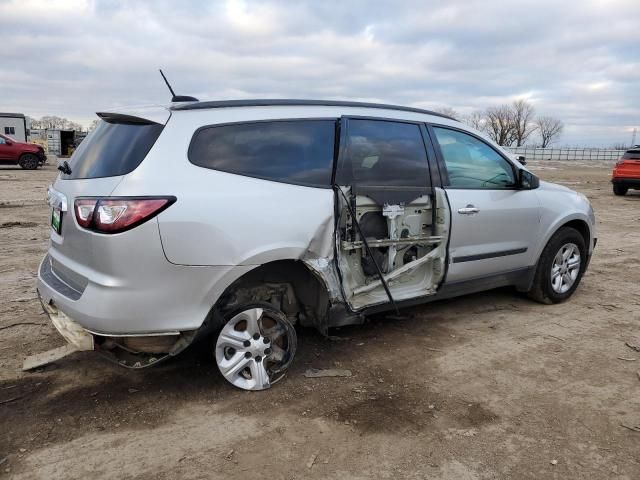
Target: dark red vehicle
[28,155]
[626,173]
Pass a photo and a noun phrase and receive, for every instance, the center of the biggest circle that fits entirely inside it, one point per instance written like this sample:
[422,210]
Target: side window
[291,151]
[9,130]
[2,142]
[384,153]
[472,163]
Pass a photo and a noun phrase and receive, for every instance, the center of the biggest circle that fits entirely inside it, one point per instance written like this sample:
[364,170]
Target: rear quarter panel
[226,219]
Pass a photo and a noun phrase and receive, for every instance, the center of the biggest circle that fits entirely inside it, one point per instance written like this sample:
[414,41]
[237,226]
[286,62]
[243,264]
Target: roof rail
[292,102]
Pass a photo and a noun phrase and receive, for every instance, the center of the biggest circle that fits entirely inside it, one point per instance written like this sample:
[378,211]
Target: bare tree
[475,120]
[499,125]
[549,129]
[93,125]
[523,123]
[35,123]
[449,112]
[54,122]
[70,125]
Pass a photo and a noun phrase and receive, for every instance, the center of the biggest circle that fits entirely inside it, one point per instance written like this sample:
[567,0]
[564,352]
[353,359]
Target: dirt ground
[485,386]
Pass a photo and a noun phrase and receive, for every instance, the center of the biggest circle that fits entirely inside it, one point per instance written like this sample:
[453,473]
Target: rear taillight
[118,214]
[84,208]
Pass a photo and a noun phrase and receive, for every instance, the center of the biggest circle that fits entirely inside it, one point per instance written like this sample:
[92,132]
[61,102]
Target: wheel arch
[291,285]
[24,154]
[582,227]
[577,221]
[537,288]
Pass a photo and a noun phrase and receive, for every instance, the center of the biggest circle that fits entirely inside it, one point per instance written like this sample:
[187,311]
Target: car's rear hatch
[629,165]
[116,147]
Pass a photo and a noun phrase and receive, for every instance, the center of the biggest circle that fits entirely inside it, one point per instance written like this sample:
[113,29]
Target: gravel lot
[485,386]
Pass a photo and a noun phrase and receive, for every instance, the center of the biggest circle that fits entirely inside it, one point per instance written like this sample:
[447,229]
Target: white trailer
[14,125]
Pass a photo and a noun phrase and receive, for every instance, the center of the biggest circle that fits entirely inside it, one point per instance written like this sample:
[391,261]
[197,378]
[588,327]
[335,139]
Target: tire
[28,161]
[557,278]
[255,346]
[619,190]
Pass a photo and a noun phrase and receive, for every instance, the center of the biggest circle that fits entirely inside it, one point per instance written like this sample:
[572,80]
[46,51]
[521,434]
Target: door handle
[468,210]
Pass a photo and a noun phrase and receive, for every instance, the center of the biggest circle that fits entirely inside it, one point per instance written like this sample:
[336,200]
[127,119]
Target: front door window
[471,163]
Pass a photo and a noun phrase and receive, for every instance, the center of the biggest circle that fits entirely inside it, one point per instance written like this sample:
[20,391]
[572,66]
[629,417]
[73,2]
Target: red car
[626,173]
[28,155]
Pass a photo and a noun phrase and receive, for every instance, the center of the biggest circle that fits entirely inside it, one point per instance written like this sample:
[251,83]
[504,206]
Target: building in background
[14,125]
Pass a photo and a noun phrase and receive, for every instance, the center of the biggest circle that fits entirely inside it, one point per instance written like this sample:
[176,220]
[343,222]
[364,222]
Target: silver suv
[238,220]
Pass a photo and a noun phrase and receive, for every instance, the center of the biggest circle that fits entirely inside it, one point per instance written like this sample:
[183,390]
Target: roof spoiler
[111,117]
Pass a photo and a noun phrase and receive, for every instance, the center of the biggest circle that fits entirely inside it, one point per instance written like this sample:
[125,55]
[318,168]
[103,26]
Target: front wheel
[560,267]
[619,190]
[255,346]
[29,161]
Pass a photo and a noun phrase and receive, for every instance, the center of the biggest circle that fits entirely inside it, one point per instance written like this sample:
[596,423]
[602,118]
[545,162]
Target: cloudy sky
[575,60]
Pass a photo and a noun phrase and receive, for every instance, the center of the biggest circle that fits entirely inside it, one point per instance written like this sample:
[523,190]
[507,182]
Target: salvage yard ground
[486,386]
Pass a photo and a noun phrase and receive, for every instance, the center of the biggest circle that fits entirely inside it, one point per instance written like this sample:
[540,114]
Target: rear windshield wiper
[65,168]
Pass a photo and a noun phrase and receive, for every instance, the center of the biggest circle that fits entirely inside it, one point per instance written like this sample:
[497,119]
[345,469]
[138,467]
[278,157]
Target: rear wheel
[28,161]
[255,346]
[560,267]
[620,190]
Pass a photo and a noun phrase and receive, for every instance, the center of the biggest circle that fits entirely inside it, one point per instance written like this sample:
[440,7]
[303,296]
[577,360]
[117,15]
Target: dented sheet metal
[325,269]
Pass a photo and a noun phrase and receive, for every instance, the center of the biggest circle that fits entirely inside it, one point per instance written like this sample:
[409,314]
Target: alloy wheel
[29,162]
[565,268]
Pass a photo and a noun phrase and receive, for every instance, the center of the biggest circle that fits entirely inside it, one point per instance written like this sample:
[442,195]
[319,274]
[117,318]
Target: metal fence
[586,154]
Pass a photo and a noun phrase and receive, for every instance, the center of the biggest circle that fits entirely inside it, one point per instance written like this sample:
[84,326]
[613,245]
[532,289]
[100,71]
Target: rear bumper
[172,299]
[626,182]
[70,330]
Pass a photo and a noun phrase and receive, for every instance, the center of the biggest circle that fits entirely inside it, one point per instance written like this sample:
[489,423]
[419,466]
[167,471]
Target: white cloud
[74,57]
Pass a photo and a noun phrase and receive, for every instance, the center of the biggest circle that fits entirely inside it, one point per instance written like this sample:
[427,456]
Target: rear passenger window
[296,151]
[384,153]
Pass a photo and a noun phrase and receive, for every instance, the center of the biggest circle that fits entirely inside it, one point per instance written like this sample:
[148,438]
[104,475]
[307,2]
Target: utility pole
[633,136]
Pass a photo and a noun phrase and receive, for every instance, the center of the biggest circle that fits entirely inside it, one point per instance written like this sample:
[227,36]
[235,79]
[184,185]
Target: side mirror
[527,180]
[521,159]
[8,143]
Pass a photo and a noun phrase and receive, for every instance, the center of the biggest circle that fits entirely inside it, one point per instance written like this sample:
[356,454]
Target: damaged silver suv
[238,220]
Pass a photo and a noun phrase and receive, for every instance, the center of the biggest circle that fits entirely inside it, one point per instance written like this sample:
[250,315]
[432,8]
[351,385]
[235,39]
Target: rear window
[113,149]
[631,155]
[290,151]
